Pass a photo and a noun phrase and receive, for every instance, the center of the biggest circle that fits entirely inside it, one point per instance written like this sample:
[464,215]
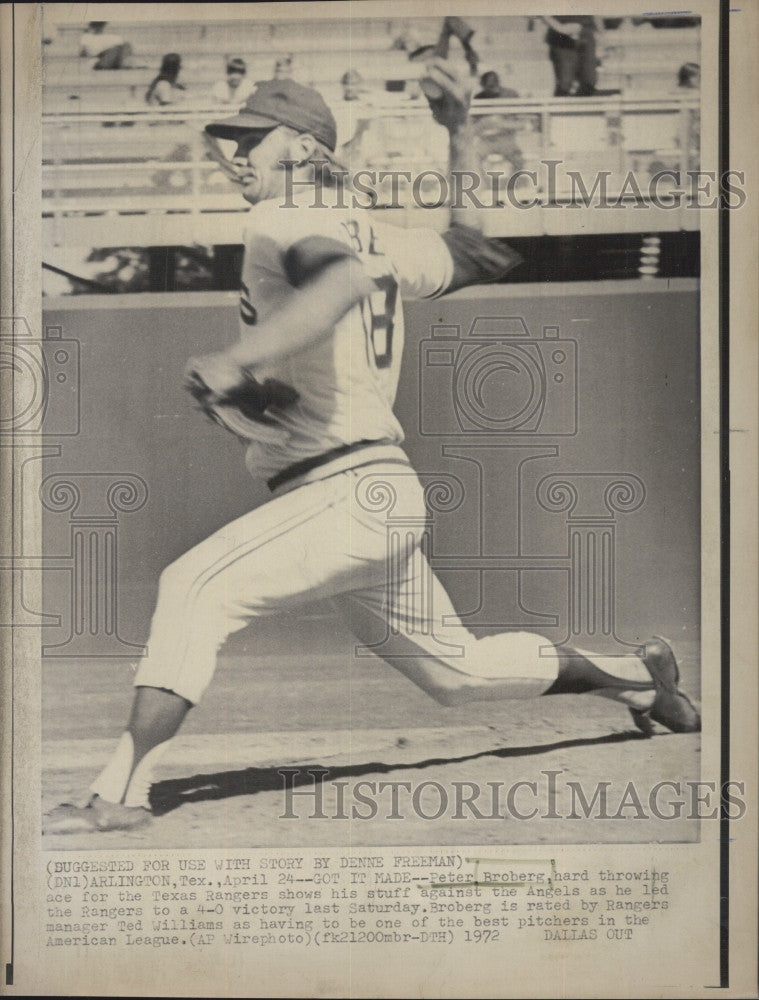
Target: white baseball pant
[330,538]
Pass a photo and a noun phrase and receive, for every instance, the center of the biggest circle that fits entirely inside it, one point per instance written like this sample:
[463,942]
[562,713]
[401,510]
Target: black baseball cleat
[671,708]
[98,816]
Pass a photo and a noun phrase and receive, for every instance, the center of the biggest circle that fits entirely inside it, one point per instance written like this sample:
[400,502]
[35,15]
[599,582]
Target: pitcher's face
[259,162]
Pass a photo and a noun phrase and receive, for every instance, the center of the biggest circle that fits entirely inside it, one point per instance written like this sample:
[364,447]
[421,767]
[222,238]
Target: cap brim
[232,128]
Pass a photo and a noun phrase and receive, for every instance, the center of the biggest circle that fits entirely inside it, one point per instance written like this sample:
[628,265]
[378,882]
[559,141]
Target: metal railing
[144,178]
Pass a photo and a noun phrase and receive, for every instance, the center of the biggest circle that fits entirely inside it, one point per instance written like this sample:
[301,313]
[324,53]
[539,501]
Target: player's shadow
[165,796]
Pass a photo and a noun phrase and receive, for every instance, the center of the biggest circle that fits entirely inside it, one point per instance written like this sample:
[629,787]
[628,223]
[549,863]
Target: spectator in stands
[351,81]
[111,50]
[356,90]
[689,76]
[283,68]
[236,88]
[165,89]
[352,119]
[572,41]
[492,89]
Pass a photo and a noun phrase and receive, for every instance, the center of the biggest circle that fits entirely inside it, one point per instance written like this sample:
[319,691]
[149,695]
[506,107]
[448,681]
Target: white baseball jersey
[347,381]
[332,538]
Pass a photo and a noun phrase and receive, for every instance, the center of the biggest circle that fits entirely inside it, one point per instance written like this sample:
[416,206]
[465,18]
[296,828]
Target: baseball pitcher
[309,388]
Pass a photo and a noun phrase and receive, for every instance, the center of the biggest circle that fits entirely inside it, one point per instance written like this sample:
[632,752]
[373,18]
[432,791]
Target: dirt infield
[455,773]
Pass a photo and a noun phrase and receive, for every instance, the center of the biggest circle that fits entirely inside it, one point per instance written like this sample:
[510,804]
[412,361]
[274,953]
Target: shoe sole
[671,708]
[67,819]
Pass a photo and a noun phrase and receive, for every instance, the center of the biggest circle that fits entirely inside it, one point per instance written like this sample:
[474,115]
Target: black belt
[307,464]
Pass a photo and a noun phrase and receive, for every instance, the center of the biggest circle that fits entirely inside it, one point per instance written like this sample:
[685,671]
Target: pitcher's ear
[302,147]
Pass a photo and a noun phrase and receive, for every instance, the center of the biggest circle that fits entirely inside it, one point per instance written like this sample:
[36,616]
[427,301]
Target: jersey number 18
[378,313]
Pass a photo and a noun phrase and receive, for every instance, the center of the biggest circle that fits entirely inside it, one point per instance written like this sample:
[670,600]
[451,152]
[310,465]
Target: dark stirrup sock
[577,675]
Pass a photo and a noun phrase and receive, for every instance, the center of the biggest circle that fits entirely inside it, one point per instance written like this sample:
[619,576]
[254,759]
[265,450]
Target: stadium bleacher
[116,171]
[640,59]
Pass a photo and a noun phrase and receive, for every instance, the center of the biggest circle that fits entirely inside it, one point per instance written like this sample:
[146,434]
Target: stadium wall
[529,460]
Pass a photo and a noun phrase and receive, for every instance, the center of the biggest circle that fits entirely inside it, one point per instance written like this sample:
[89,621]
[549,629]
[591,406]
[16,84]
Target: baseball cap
[281,102]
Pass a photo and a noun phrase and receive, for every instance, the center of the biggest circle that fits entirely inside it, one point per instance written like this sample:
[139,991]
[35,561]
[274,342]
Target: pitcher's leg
[437,653]
[254,566]
[119,796]
[422,637]
[276,557]
[191,620]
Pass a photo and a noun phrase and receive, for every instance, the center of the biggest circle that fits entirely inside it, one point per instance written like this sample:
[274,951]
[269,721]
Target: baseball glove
[243,409]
